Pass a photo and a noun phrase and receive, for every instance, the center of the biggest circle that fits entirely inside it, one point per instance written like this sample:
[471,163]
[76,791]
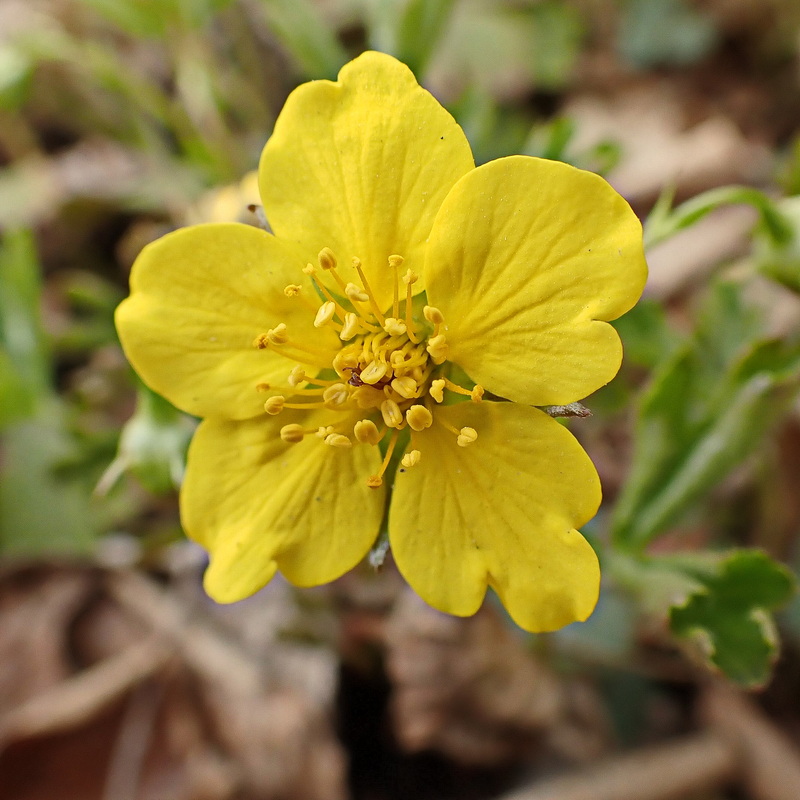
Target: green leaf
[727,619]
[707,408]
[647,337]
[779,259]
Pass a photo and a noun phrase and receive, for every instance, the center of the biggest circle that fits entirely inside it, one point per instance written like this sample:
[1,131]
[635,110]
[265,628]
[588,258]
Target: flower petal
[526,257]
[199,297]
[258,504]
[501,512]
[361,166]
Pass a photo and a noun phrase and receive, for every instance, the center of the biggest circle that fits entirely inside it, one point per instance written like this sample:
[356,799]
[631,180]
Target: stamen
[405,387]
[366,432]
[325,430]
[374,481]
[278,335]
[325,314]
[338,440]
[438,348]
[374,372]
[297,375]
[292,290]
[395,262]
[475,394]
[373,305]
[311,271]
[411,459]
[391,413]
[394,326]
[368,397]
[410,278]
[336,396]
[275,405]
[466,436]
[437,390]
[326,259]
[352,326]
[293,433]
[418,418]
[355,294]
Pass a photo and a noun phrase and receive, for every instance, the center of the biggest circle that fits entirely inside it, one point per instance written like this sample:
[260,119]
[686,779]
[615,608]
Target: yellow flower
[326,376]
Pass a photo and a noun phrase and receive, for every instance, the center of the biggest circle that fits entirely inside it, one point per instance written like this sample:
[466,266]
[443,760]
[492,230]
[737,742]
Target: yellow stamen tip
[336,396]
[275,405]
[366,432]
[476,395]
[391,413]
[338,440]
[293,433]
[438,348]
[326,258]
[466,436]
[394,327]
[350,327]
[405,387]
[437,390]
[310,269]
[261,342]
[292,290]
[278,334]
[411,459]
[433,315]
[395,261]
[374,372]
[297,375]
[325,314]
[355,293]
[410,277]
[419,418]
[262,387]
[374,481]
[324,430]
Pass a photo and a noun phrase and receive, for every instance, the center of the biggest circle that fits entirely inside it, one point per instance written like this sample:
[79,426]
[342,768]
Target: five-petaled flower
[396,330]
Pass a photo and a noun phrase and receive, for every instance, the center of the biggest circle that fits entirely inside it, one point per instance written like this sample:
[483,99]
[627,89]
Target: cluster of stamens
[386,366]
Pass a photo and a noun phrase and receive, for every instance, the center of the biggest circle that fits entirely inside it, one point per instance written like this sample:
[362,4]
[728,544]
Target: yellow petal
[259,504]
[361,166]
[501,512]
[526,258]
[199,297]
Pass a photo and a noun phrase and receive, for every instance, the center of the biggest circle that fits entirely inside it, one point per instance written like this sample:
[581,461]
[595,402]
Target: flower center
[386,371]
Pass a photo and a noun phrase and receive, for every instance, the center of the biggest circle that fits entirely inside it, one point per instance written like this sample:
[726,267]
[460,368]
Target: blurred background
[120,680]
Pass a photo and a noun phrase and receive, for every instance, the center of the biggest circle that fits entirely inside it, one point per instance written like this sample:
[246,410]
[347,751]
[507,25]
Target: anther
[278,334]
[336,396]
[476,395]
[262,387]
[374,481]
[326,258]
[437,390]
[309,269]
[292,290]
[355,294]
[324,431]
[275,405]
[391,413]
[411,459]
[374,372]
[395,261]
[366,432]
[325,314]
[466,436]
[438,348]
[261,342]
[345,360]
[419,418]
[338,440]
[394,326]
[433,315]
[405,387]
[293,433]
[410,277]
[351,326]
[297,375]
